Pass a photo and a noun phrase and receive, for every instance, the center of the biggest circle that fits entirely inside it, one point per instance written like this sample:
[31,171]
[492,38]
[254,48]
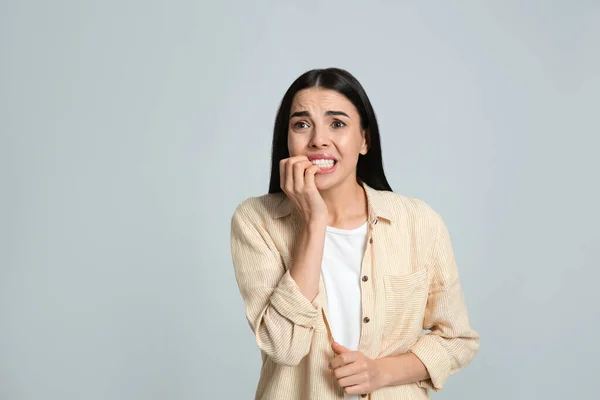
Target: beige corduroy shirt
[410,284]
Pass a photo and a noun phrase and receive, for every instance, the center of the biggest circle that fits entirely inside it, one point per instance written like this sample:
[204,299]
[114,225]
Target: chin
[324,182]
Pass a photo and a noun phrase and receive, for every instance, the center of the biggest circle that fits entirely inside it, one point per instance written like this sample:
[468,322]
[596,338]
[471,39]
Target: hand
[355,372]
[297,180]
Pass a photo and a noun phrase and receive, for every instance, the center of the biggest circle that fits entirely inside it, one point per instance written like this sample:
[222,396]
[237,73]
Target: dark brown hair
[370,166]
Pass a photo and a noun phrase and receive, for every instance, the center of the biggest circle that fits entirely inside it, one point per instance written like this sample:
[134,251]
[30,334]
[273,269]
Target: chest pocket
[405,303]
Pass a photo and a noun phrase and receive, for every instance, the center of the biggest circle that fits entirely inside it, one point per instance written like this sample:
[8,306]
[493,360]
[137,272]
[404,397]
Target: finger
[353,380]
[344,358]
[339,349]
[347,370]
[282,174]
[357,389]
[299,167]
[289,175]
[289,171]
[309,176]
[296,158]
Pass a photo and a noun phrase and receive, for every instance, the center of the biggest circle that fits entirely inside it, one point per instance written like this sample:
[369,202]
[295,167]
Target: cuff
[435,358]
[289,301]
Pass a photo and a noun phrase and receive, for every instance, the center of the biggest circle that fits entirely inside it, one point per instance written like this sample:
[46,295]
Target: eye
[300,125]
[338,124]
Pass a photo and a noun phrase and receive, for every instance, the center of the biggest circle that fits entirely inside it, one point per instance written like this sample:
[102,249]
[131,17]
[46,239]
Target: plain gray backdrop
[130,130]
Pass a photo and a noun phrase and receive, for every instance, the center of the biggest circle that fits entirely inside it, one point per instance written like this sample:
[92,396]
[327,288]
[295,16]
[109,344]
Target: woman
[339,275]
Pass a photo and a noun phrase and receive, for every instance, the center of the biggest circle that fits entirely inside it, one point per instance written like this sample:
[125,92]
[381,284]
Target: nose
[319,138]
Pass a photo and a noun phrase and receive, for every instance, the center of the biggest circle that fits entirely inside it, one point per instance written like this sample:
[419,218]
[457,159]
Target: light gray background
[130,130]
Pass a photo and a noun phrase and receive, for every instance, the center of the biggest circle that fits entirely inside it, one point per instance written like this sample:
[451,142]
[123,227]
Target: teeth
[323,163]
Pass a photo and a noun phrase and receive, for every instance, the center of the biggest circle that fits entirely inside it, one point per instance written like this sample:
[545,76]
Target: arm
[306,270]
[452,343]
[281,312]
[401,369]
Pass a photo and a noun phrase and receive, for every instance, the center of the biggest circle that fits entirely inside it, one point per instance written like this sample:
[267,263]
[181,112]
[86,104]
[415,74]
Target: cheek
[295,144]
[349,146]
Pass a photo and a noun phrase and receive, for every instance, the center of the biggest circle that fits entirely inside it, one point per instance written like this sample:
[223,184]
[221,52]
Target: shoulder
[406,207]
[257,208]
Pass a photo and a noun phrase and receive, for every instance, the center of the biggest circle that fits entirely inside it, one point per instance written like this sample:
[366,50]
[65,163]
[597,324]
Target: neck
[346,204]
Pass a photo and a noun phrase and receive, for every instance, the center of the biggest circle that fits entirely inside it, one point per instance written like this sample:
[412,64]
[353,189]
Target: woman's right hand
[297,180]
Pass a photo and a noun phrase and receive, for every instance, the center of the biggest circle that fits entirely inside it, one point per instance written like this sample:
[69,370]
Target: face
[325,126]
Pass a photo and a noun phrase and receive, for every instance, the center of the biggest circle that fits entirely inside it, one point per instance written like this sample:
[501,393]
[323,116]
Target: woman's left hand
[355,372]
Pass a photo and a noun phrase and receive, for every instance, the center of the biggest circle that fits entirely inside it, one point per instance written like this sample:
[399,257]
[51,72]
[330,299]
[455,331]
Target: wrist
[401,369]
[384,374]
[316,225]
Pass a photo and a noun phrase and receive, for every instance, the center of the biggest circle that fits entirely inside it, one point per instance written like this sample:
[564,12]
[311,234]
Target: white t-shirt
[342,260]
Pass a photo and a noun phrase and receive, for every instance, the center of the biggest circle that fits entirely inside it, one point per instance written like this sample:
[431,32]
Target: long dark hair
[370,166]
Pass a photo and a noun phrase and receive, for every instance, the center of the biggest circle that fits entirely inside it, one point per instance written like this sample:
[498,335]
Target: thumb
[338,348]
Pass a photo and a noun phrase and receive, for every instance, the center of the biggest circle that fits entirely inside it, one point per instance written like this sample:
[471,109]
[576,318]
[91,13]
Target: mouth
[326,165]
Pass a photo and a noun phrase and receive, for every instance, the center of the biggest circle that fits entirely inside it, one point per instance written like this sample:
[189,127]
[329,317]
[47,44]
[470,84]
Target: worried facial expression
[325,126]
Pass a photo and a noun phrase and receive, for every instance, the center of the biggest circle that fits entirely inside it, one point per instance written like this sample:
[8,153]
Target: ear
[365,143]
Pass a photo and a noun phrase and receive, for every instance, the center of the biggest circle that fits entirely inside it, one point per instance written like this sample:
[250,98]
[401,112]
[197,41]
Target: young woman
[340,276]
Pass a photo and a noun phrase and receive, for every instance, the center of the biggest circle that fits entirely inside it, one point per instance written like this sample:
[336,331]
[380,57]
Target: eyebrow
[307,114]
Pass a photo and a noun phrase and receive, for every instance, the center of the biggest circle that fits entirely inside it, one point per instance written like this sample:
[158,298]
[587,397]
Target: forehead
[323,99]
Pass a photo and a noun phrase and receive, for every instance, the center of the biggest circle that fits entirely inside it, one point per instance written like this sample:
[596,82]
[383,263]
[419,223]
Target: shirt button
[375,222]
[365,278]
[363,395]
[371,240]
[366,320]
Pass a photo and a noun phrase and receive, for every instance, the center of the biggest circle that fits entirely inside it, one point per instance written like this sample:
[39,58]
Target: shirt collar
[377,205]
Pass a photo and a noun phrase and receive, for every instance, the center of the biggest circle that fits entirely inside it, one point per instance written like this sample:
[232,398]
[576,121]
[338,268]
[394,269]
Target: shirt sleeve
[451,343]
[280,316]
